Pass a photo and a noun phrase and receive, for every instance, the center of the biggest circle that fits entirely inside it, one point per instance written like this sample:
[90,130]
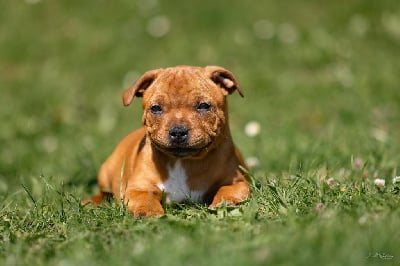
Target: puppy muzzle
[178,135]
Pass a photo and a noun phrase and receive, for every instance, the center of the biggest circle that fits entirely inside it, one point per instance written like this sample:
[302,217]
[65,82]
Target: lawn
[321,78]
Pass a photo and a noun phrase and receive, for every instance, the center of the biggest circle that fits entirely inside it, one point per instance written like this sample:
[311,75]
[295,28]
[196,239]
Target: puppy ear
[138,88]
[224,78]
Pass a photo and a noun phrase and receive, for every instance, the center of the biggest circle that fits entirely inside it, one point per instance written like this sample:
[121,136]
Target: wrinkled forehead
[183,79]
[180,83]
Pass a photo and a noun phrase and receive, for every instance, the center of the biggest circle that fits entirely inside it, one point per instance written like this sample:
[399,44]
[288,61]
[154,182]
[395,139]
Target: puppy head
[184,107]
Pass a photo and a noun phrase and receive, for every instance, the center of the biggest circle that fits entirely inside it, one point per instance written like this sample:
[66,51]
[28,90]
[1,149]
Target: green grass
[321,78]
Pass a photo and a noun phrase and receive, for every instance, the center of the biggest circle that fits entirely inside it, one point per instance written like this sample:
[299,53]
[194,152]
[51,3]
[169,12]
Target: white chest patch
[176,187]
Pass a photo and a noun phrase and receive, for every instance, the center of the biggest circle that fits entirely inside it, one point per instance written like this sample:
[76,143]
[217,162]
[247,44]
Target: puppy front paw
[230,195]
[218,202]
[144,204]
[146,210]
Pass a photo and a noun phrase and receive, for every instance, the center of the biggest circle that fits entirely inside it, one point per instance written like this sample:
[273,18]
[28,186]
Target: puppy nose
[178,134]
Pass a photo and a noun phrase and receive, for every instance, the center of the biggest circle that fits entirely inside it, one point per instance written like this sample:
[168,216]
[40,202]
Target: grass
[320,78]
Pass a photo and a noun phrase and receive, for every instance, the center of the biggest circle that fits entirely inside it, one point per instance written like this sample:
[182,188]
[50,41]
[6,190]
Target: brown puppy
[184,151]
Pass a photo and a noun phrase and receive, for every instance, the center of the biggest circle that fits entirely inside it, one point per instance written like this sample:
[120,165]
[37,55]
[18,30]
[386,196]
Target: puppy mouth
[182,151]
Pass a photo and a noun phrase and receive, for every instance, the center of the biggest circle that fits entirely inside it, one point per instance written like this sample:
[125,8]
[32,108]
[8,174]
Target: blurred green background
[321,78]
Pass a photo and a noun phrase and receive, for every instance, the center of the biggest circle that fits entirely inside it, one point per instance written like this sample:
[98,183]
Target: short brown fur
[142,160]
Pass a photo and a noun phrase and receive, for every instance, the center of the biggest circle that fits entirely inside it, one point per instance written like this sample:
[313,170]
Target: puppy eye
[156,109]
[203,107]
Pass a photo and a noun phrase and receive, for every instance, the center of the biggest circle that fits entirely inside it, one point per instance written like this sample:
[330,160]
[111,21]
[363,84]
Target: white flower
[363,219]
[391,23]
[358,163]
[379,182]
[158,26]
[287,33]
[319,207]
[379,134]
[252,162]
[359,25]
[396,180]
[252,128]
[330,182]
[264,29]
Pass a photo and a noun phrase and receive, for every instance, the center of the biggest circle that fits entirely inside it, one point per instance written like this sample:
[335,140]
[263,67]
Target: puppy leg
[104,185]
[98,198]
[231,195]
[144,203]
[95,199]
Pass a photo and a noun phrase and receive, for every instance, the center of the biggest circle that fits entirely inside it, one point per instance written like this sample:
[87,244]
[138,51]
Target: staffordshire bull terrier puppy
[184,151]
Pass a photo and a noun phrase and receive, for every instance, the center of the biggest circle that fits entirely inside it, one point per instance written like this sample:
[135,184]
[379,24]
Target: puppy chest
[176,186]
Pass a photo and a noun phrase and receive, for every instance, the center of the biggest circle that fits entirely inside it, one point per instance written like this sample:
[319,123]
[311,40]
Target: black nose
[178,134]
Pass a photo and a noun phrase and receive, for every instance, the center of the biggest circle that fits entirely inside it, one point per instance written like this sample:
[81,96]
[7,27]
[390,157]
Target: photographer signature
[380,255]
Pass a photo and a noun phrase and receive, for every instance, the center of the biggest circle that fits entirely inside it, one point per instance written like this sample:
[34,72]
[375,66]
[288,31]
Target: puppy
[184,151]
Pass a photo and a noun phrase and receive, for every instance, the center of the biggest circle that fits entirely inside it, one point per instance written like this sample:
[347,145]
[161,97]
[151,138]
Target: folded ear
[224,78]
[138,88]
